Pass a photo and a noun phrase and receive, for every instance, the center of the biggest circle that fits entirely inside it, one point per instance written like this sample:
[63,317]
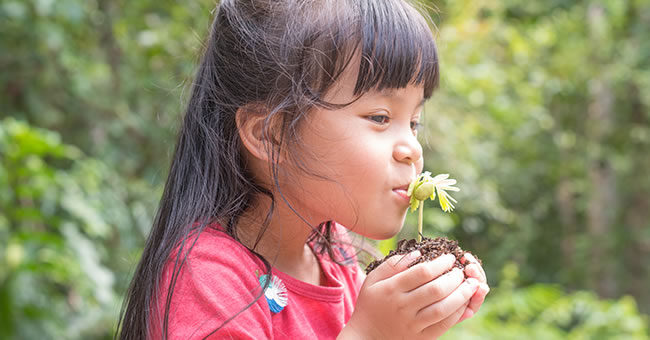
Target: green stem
[420,215]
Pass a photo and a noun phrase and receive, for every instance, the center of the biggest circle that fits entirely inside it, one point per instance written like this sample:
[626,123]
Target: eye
[415,125]
[381,119]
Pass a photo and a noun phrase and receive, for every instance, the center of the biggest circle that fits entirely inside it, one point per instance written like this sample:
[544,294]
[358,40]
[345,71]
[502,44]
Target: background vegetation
[543,117]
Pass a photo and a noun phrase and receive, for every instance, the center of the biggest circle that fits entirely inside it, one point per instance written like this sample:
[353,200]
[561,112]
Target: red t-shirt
[221,277]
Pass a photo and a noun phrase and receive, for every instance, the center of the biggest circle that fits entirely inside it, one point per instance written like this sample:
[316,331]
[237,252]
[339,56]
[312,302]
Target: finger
[479,297]
[454,318]
[476,301]
[467,313]
[436,290]
[442,309]
[424,272]
[472,270]
[473,259]
[438,329]
[392,266]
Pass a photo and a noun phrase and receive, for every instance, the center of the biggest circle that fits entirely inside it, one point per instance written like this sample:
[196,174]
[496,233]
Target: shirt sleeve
[218,283]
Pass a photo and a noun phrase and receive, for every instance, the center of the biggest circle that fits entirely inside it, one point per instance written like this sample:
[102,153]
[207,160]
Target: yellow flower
[417,193]
[423,187]
[443,184]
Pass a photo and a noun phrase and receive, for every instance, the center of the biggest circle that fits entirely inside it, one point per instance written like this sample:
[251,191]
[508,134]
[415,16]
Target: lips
[402,196]
[404,187]
[402,192]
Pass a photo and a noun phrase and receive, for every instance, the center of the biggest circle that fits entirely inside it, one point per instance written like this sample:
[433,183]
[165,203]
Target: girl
[301,125]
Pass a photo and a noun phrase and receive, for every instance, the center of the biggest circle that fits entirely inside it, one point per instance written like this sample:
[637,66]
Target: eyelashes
[384,119]
[380,119]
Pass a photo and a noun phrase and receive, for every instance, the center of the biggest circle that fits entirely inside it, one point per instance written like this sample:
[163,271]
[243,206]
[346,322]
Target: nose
[408,150]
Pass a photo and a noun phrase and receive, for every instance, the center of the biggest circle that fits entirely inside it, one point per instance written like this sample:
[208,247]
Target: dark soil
[429,248]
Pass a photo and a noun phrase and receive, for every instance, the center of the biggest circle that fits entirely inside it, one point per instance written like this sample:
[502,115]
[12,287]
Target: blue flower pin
[275,294]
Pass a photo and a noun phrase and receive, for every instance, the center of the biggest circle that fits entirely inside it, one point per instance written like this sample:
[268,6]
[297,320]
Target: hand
[397,302]
[474,270]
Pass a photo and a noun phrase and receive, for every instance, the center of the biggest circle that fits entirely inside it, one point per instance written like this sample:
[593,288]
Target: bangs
[397,48]
[392,39]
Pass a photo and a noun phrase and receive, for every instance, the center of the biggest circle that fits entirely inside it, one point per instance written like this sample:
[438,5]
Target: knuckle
[402,304]
[389,287]
[427,272]
[468,292]
[447,323]
[435,291]
[436,312]
[421,270]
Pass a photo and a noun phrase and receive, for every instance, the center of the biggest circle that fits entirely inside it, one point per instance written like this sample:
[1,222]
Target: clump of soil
[429,248]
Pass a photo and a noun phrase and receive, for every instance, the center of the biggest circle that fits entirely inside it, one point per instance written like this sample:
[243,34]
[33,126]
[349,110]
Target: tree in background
[544,113]
[77,203]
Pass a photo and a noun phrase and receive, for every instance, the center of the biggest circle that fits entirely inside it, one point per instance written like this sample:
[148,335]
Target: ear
[251,121]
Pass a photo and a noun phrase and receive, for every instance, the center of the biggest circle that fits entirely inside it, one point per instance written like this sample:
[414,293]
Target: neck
[284,242]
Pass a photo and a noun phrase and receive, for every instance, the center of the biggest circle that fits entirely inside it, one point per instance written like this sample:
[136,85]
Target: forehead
[342,91]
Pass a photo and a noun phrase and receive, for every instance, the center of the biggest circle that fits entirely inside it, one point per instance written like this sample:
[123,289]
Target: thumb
[393,265]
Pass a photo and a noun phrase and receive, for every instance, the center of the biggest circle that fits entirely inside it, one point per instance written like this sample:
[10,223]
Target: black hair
[283,56]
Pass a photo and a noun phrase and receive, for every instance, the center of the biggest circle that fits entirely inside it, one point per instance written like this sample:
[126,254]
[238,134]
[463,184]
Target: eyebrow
[390,94]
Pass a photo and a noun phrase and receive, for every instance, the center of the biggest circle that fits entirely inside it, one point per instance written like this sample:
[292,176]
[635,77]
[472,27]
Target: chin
[378,231]
[386,235]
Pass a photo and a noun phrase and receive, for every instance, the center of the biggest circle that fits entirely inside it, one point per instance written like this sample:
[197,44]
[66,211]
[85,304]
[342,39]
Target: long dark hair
[282,55]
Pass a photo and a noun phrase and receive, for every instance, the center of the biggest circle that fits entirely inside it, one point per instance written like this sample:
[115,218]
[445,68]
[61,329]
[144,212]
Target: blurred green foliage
[543,117]
[67,234]
[546,311]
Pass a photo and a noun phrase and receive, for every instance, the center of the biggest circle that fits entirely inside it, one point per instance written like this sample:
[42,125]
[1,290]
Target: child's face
[369,151]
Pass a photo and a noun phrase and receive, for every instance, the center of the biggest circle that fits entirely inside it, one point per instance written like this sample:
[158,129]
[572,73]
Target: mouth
[404,187]
[402,192]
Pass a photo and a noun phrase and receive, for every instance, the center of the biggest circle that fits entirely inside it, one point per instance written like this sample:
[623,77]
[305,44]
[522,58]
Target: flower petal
[440,177]
[443,198]
[442,187]
[409,192]
[414,204]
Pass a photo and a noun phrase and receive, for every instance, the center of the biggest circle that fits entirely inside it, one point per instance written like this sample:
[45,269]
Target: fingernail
[412,255]
[472,282]
[470,268]
[454,271]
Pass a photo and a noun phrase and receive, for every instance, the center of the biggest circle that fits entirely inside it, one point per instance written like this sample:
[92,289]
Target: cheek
[347,159]
[419,165]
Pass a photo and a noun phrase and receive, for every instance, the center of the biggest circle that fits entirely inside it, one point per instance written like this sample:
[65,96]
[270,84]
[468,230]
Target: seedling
[423,187]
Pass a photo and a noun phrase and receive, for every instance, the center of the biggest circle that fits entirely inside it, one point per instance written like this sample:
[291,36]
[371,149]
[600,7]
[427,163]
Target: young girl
[301,126]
